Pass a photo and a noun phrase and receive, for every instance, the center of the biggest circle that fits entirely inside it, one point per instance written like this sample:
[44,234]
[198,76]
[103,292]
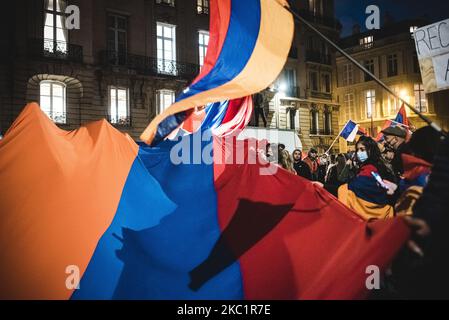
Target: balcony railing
[57,117]
[148,65]
[124,121]
[318,57]
[321,95]
[61,50]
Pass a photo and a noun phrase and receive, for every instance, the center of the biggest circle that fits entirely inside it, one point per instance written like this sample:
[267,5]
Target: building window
[349,105]
[348,75]
[314,81]
[119,106]
[326,83]
[53,100]
[55,32]
[314,122]
[170,3]
[164,99]
[369,65]
[392,65]
[202,6]
[370,103]
[420,98]
[328,122]
[166,48]
[117,38]
[203,42]
[367,42]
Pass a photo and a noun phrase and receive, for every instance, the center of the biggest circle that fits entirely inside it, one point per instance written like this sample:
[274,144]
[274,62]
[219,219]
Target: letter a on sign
[373,280]
[373,20]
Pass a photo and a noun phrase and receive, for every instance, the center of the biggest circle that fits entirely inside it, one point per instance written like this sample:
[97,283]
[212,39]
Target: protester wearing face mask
[364,194]
[394,139]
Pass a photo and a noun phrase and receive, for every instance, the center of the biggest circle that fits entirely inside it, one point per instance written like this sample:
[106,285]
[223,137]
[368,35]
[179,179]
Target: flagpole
[366,71]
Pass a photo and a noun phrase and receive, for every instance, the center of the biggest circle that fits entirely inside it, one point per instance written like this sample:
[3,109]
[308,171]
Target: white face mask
[362,156]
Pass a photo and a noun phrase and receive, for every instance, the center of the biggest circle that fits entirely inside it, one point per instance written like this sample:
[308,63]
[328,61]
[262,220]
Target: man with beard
[395,140]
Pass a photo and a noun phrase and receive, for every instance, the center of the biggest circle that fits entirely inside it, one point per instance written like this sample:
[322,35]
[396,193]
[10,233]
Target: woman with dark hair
[367,194]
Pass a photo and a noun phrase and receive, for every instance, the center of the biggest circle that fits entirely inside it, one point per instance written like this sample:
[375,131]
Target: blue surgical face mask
[362,156]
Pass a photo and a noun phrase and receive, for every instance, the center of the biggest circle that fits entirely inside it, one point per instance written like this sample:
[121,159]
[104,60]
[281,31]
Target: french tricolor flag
[349,131]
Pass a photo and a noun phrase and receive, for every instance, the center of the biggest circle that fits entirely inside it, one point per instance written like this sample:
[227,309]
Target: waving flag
[223,118]
[129,222]
[401,117]
[249,45]
[364,195]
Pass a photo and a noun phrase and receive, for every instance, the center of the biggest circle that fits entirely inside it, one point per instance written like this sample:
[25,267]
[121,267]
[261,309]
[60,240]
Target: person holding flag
[367,194]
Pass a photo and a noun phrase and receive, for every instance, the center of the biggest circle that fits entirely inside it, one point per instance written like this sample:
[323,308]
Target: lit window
[327,122]
[167,2]
[53,100]
[370,103]
[203,42]
[55,32]
[165,98]
[202,6]
[166,48]
[367,42]
[314,122]
[119,106]
[420,98]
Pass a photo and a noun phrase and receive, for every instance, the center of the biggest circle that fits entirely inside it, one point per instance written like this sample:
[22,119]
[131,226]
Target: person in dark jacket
[394,139]
[301,168]
[259,109]
[312,162]
[421,270]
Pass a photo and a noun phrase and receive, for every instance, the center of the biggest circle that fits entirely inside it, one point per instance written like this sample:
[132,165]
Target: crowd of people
[404,174]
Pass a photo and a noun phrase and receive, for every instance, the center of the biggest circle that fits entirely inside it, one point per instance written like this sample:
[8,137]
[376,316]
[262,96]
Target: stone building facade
[112,67]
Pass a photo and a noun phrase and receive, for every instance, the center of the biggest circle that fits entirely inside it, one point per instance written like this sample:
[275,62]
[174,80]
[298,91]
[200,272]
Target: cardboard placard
[432,47]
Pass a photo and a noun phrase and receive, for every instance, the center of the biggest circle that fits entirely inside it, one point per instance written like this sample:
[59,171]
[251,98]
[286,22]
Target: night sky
[350,12]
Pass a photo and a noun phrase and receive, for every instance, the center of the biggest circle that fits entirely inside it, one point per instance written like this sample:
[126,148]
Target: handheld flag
[350,131]
[401,117]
